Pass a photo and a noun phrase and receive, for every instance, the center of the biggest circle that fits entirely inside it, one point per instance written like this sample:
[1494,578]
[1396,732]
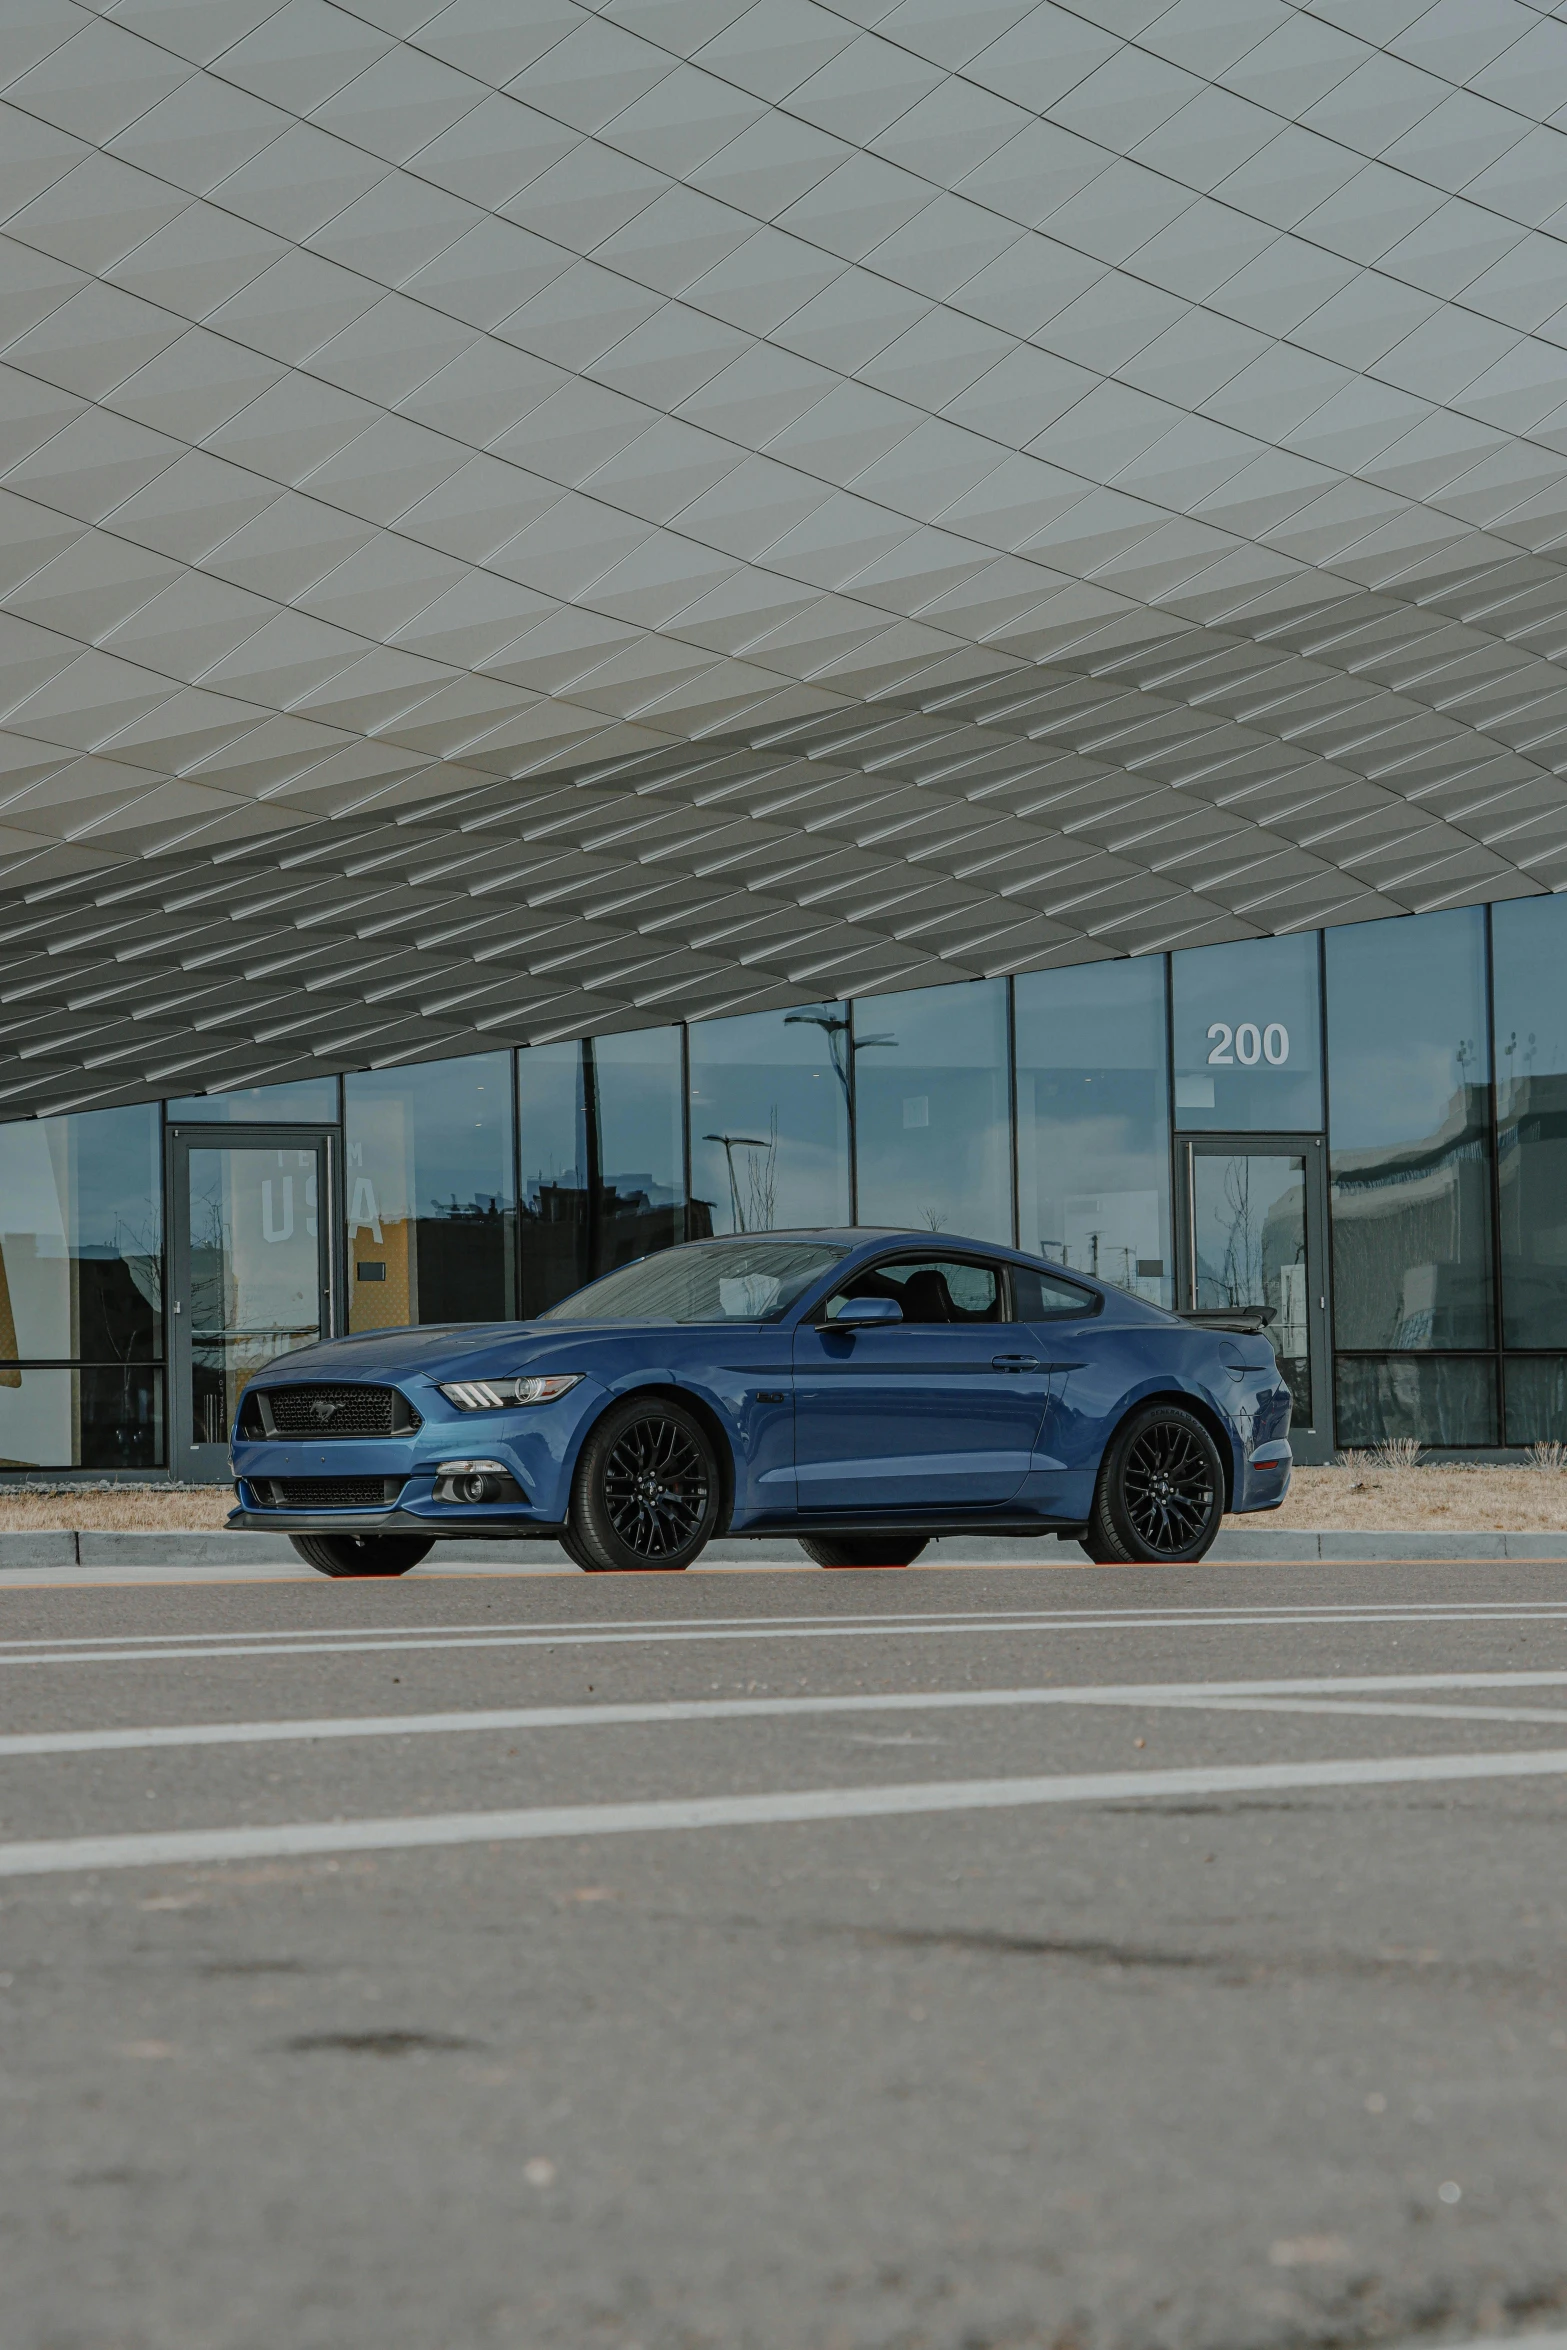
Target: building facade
[627,619]
[1362,1129]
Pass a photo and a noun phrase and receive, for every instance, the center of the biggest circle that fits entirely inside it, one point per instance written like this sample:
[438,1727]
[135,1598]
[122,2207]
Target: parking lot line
[1375,1695]
[303,1839]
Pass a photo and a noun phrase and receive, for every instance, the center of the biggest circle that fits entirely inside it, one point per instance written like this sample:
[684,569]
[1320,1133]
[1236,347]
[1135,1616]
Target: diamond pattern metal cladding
[519,519]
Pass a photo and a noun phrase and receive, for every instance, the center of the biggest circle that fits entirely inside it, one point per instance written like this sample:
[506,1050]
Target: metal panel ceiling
[523,518]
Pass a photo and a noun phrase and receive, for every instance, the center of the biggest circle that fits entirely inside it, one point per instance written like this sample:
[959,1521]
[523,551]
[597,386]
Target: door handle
[1015,1363]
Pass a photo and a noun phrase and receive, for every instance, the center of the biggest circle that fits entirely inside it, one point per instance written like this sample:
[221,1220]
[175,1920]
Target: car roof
[857,1236]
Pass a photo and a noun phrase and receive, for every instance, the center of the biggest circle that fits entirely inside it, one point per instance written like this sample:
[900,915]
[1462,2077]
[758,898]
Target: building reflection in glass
[770,1120]
[1093,1122]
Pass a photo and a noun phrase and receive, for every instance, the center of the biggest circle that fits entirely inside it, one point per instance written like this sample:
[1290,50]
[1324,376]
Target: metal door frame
[187,1458]
[1314,1445]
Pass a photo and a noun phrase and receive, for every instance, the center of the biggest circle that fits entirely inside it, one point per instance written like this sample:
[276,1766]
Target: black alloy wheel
[362,1554]
[647,1491]
[863,1550]
[1160,1496]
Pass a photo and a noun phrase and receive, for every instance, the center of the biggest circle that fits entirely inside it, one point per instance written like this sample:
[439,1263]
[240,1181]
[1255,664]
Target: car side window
[930,1289]
[1045,1297]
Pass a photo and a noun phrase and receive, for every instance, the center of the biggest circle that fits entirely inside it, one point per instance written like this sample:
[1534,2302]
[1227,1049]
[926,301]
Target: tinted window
[308,1101]
[1410,1133]
[1044,1297]
[81,1243]
[1093,1122]
[932,1124]
[708,1281]
[1529,945]
[429,1183]
[930,1289]
[770,1120]
[1246,1021]
[603,1158]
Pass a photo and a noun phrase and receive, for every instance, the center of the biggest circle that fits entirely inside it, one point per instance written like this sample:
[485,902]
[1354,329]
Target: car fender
[752,1436]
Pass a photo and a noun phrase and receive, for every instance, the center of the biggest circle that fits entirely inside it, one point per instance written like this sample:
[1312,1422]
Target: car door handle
[1015,1363]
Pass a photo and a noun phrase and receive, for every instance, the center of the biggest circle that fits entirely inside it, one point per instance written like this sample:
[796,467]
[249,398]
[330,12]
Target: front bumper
[443,1526]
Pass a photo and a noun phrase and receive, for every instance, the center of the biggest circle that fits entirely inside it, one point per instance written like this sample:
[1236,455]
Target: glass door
[1253,1216]
[253,1271]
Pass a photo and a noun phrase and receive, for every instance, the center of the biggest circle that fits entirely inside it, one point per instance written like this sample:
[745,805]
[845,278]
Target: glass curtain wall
[1409,1122]
[308,1101]
[81,1292]
[602,1136]
[770,1120]
[1093,1122]
[932,1102]
[430,1197]
[1529,1000]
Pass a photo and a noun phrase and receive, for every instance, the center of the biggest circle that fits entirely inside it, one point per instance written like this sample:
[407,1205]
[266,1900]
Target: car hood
[431,1351]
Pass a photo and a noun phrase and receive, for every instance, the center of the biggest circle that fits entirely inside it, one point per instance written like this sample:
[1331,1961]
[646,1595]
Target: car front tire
[863,1550]
[646,1494]
[1160,1496]
[362,1554]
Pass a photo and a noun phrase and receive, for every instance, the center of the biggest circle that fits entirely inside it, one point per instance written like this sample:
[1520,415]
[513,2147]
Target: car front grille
[323,1411]
[329,1493]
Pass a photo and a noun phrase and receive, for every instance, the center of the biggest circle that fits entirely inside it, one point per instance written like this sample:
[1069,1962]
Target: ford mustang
[863,1392]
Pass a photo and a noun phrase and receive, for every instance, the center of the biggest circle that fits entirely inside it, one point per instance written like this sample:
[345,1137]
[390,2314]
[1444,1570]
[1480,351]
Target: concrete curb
[217,1549]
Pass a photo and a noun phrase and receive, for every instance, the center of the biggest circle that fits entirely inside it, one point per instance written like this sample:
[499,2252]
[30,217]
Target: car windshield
[705,1281]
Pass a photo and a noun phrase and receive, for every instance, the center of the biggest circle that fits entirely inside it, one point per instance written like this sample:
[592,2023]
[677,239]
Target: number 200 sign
[1251,1044]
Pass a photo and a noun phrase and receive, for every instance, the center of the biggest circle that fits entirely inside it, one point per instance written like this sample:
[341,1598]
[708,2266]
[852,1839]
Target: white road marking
[1093,1619]
[309,1838]
[1346,1695]
[761,1628]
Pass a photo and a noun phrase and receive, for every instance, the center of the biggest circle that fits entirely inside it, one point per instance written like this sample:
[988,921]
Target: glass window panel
[81,1237]
[1410,1132]
[1529,953]
[932,1124]
[307,1101]
[1246,1023]
[770,1121]
[1249,1246]
[1093,1122]
[1434,1401]
[109,1416]
[431,1229]
[635,1111]
[1536,1399]
[551,1124]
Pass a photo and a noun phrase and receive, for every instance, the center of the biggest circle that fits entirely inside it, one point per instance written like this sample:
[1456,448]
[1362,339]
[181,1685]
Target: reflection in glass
[634,1096]
[1409,1117]
[105,1416]
[1246,1023]
[307,1101]
[770,1119]
[1536,1399]
[1529,954]
[603,1158]
[553,1190]
[1093,1122]
[1249,1250]
[429,1192]
[81,1239]
[1433,1400]
[753,1282]
[932,1124]
[255,1272]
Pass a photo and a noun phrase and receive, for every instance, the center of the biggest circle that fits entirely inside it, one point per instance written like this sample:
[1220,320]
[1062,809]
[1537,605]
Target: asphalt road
[926,1961]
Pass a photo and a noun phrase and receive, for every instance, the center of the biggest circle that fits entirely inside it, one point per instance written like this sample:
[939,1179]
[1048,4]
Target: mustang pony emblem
[322,1409]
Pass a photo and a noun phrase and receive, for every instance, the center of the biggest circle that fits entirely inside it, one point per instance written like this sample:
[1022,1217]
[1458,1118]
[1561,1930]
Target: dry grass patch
[113,1509]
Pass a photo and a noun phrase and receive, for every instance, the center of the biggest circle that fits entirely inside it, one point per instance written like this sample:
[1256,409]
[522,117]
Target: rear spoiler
[1250,1321]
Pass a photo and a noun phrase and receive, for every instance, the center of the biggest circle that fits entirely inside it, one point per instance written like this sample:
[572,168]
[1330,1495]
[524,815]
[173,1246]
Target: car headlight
[499,1395]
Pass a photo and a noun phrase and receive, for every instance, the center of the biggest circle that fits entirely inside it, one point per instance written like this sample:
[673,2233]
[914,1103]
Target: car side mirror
[860,1313]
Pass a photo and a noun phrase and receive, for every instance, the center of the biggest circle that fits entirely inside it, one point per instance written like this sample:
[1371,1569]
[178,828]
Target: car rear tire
[1160,1496]
[864,1550]
[647,1492]
[362,1554]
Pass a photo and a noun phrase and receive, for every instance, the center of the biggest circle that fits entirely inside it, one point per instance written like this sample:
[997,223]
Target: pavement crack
[385,2043]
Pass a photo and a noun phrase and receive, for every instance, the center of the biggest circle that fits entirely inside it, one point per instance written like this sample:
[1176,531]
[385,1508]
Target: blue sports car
[861,1391]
